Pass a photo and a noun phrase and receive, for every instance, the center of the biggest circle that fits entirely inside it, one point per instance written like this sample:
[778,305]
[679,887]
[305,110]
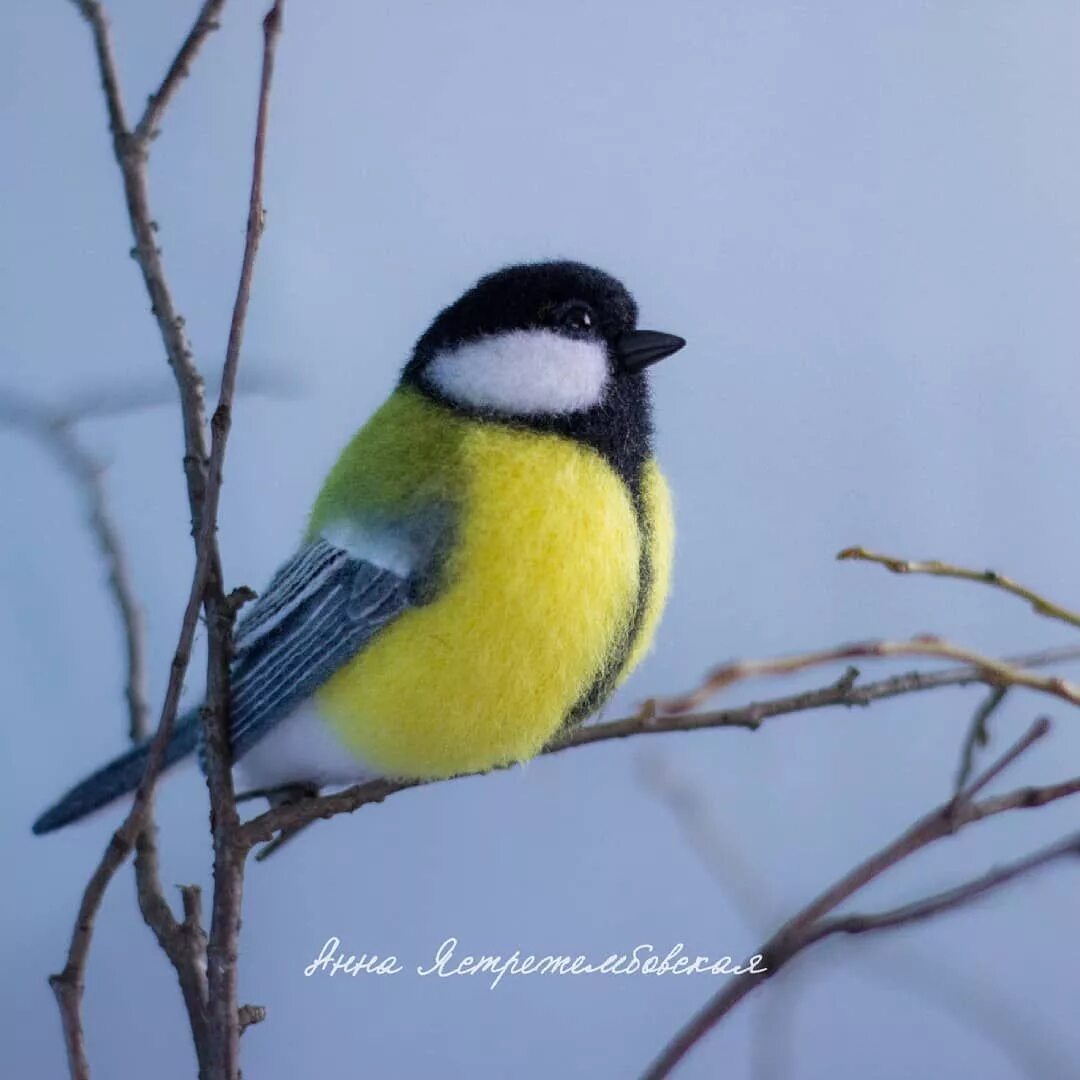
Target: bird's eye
[574,317]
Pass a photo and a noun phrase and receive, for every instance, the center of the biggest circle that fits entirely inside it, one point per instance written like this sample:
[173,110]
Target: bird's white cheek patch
[523,372]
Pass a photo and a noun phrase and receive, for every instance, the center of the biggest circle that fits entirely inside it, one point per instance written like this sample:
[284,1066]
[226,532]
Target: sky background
[864,219]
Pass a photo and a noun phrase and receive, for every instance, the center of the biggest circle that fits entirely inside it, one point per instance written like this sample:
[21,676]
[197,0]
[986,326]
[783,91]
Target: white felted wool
[523,373]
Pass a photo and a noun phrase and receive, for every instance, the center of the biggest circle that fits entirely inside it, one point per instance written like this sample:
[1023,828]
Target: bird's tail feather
[119,777]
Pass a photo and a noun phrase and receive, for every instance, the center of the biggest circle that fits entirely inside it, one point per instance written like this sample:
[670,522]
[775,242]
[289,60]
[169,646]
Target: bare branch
[130,152]
[131,157]
[798,932]
[944,901]
[1040,604]
[229,855]
[93,12]
[68,984]
[992,671]
[990,1012]
[1038,730]
[184,943]
[54,431]
[844,692]
[978,734]
[205,24]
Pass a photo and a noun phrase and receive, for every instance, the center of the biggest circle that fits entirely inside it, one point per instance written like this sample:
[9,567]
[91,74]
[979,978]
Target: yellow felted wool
[537,595]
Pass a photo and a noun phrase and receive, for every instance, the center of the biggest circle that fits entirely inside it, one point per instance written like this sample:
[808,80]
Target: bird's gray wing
[318,612]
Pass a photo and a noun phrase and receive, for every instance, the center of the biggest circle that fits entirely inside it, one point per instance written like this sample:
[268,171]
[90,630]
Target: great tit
[486,561]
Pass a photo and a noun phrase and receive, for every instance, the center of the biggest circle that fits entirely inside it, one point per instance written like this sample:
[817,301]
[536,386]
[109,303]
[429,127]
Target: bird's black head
[552,346]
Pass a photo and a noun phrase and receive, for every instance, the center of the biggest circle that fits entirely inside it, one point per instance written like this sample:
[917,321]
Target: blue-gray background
[864,218]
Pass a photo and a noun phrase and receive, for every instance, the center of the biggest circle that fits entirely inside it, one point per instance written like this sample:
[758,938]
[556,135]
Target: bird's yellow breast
[539,593]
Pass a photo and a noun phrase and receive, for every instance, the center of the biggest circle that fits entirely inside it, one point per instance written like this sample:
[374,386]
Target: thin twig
[229,855]
[205,23]
[934,567]
[1039,729]
[54,430]
[944,901]
[68,985]
[798,932]
[978,734]
[183,942]
[991,670]
[131,156]
[844,692]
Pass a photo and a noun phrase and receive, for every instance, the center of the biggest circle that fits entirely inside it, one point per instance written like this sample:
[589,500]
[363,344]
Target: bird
[486,561]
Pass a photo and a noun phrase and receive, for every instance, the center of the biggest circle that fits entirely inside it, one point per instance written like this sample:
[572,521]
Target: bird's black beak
[637,349]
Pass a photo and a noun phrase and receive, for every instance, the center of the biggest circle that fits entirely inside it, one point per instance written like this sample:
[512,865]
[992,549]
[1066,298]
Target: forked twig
[806,928]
